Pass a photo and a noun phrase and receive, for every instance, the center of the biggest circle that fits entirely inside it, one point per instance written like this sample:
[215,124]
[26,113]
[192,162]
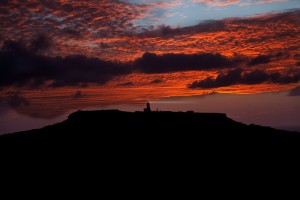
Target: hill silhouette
[112,147]
[151,127]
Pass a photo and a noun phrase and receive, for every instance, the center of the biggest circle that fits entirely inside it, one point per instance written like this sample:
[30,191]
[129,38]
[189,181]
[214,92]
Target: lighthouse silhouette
[147,109]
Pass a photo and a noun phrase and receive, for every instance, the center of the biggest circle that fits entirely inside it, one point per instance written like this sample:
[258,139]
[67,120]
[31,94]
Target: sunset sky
[240,57]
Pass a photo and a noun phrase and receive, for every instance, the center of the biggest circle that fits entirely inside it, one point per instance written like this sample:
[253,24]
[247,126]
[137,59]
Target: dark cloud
[15,99]
[232,77]
[210,26]
[263,59]
[297,56]
[18,47]
[295,92]
[153,63]
[78,95]
[238,76]
[127,84]
[167,30]
[281,55]
[284,79]
[40,43]
[156,81]
[255,77]
[22,67]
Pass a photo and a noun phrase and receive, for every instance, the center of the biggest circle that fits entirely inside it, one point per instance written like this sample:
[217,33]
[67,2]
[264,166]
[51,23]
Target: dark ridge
[97,152]
[97,126]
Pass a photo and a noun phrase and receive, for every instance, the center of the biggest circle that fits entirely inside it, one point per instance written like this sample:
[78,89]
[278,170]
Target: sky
[60,56]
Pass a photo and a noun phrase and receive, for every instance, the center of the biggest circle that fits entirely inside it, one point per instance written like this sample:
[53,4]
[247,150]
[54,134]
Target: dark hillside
[120,153]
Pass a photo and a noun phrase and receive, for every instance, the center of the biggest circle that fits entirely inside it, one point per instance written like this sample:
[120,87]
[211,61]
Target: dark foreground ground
[106,150]
[146,130]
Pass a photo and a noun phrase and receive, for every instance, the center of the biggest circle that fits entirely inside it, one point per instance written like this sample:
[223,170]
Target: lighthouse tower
[147,109]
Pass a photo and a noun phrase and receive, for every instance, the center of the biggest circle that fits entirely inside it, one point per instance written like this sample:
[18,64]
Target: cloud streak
[21,67]
[166,63]
[238,76]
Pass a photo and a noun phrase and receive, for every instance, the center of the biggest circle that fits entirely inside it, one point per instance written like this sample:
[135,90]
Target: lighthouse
[147,109]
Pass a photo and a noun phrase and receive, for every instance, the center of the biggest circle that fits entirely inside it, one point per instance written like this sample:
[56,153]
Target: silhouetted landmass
[141,129]
[105,150]
[156,126]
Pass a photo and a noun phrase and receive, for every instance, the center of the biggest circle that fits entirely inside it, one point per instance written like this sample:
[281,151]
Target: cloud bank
[22,67]
[238,76]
